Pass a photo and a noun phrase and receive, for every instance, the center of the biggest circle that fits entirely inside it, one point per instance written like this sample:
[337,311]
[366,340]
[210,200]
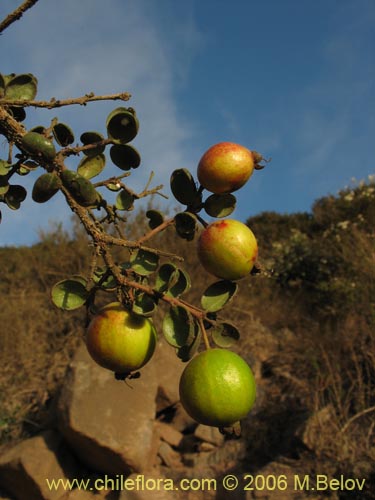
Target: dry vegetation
[307,324]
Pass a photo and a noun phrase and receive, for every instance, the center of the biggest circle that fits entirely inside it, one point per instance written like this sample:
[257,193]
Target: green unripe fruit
[217,388]
[36,144]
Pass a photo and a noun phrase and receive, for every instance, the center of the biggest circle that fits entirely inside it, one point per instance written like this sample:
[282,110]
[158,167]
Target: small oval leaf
[92,138]
[217,295]
[63,134]
[4,167]
[183,186]
[124,200]
[167,276]
[22,87]
[91,166]
[18,113]
[27,167]
[178,327]
[155,218]
[186,352]
[186,224]
[14,196]
[4,184]
[181,285]
[220,205]
[144,262]
[124,156]
[69,294]
[225,334]
[122,125]
[144,305]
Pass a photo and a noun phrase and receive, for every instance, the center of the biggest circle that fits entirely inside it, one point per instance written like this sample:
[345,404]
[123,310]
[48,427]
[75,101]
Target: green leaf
[103,277]
[181,286]
[45,187]
[225,334]
[4,184]
[220,205]
[21,87]
[69,294]
[155,218]
[217,295]
[124,200]
[171,280]
[122,125]
[14,196]
[178,327]
[27,167]
[91,138]
[167,276]
[185,224]
[144,262]
[186,352]
[91,166]
[18,113]
[4,167]
[113,186]
[144,305]
[183,186]
[63,134]
[125,156]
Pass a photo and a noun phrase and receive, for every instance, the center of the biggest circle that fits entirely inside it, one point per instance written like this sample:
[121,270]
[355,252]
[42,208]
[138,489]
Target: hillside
[307,322]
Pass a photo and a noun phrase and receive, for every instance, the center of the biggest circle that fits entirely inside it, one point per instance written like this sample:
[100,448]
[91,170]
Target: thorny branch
[58,103]
[16,14]
[102,241]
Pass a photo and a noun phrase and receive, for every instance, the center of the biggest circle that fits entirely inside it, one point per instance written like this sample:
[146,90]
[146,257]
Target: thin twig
[356,416]
[58,103]
[156,230]
[16,14]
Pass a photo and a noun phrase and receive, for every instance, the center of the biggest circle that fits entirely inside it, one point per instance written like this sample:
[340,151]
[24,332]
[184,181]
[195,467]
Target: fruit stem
[204,333]
[202,221]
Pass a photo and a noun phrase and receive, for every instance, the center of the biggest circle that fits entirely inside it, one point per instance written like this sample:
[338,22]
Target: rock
[169,456]
[25,468]
[108,423]
[310,433]
[80,495]
[203,447]
[168,372]
[168,434]
[181,420]
[209,434]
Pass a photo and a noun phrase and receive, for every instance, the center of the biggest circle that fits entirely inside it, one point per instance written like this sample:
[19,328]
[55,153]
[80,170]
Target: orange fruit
[227,249]
[120,340]
[225,167]
[217,388]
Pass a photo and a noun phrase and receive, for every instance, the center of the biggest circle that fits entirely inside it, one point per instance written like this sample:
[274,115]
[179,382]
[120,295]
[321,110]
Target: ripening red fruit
[120,340]
[227,249]
[225,167]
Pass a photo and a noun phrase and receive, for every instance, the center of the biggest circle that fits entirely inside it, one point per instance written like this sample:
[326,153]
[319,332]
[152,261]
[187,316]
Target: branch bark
[58,103]
[16,14]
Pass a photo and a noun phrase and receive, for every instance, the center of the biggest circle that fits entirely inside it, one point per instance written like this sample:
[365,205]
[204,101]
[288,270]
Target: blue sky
[293,79]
